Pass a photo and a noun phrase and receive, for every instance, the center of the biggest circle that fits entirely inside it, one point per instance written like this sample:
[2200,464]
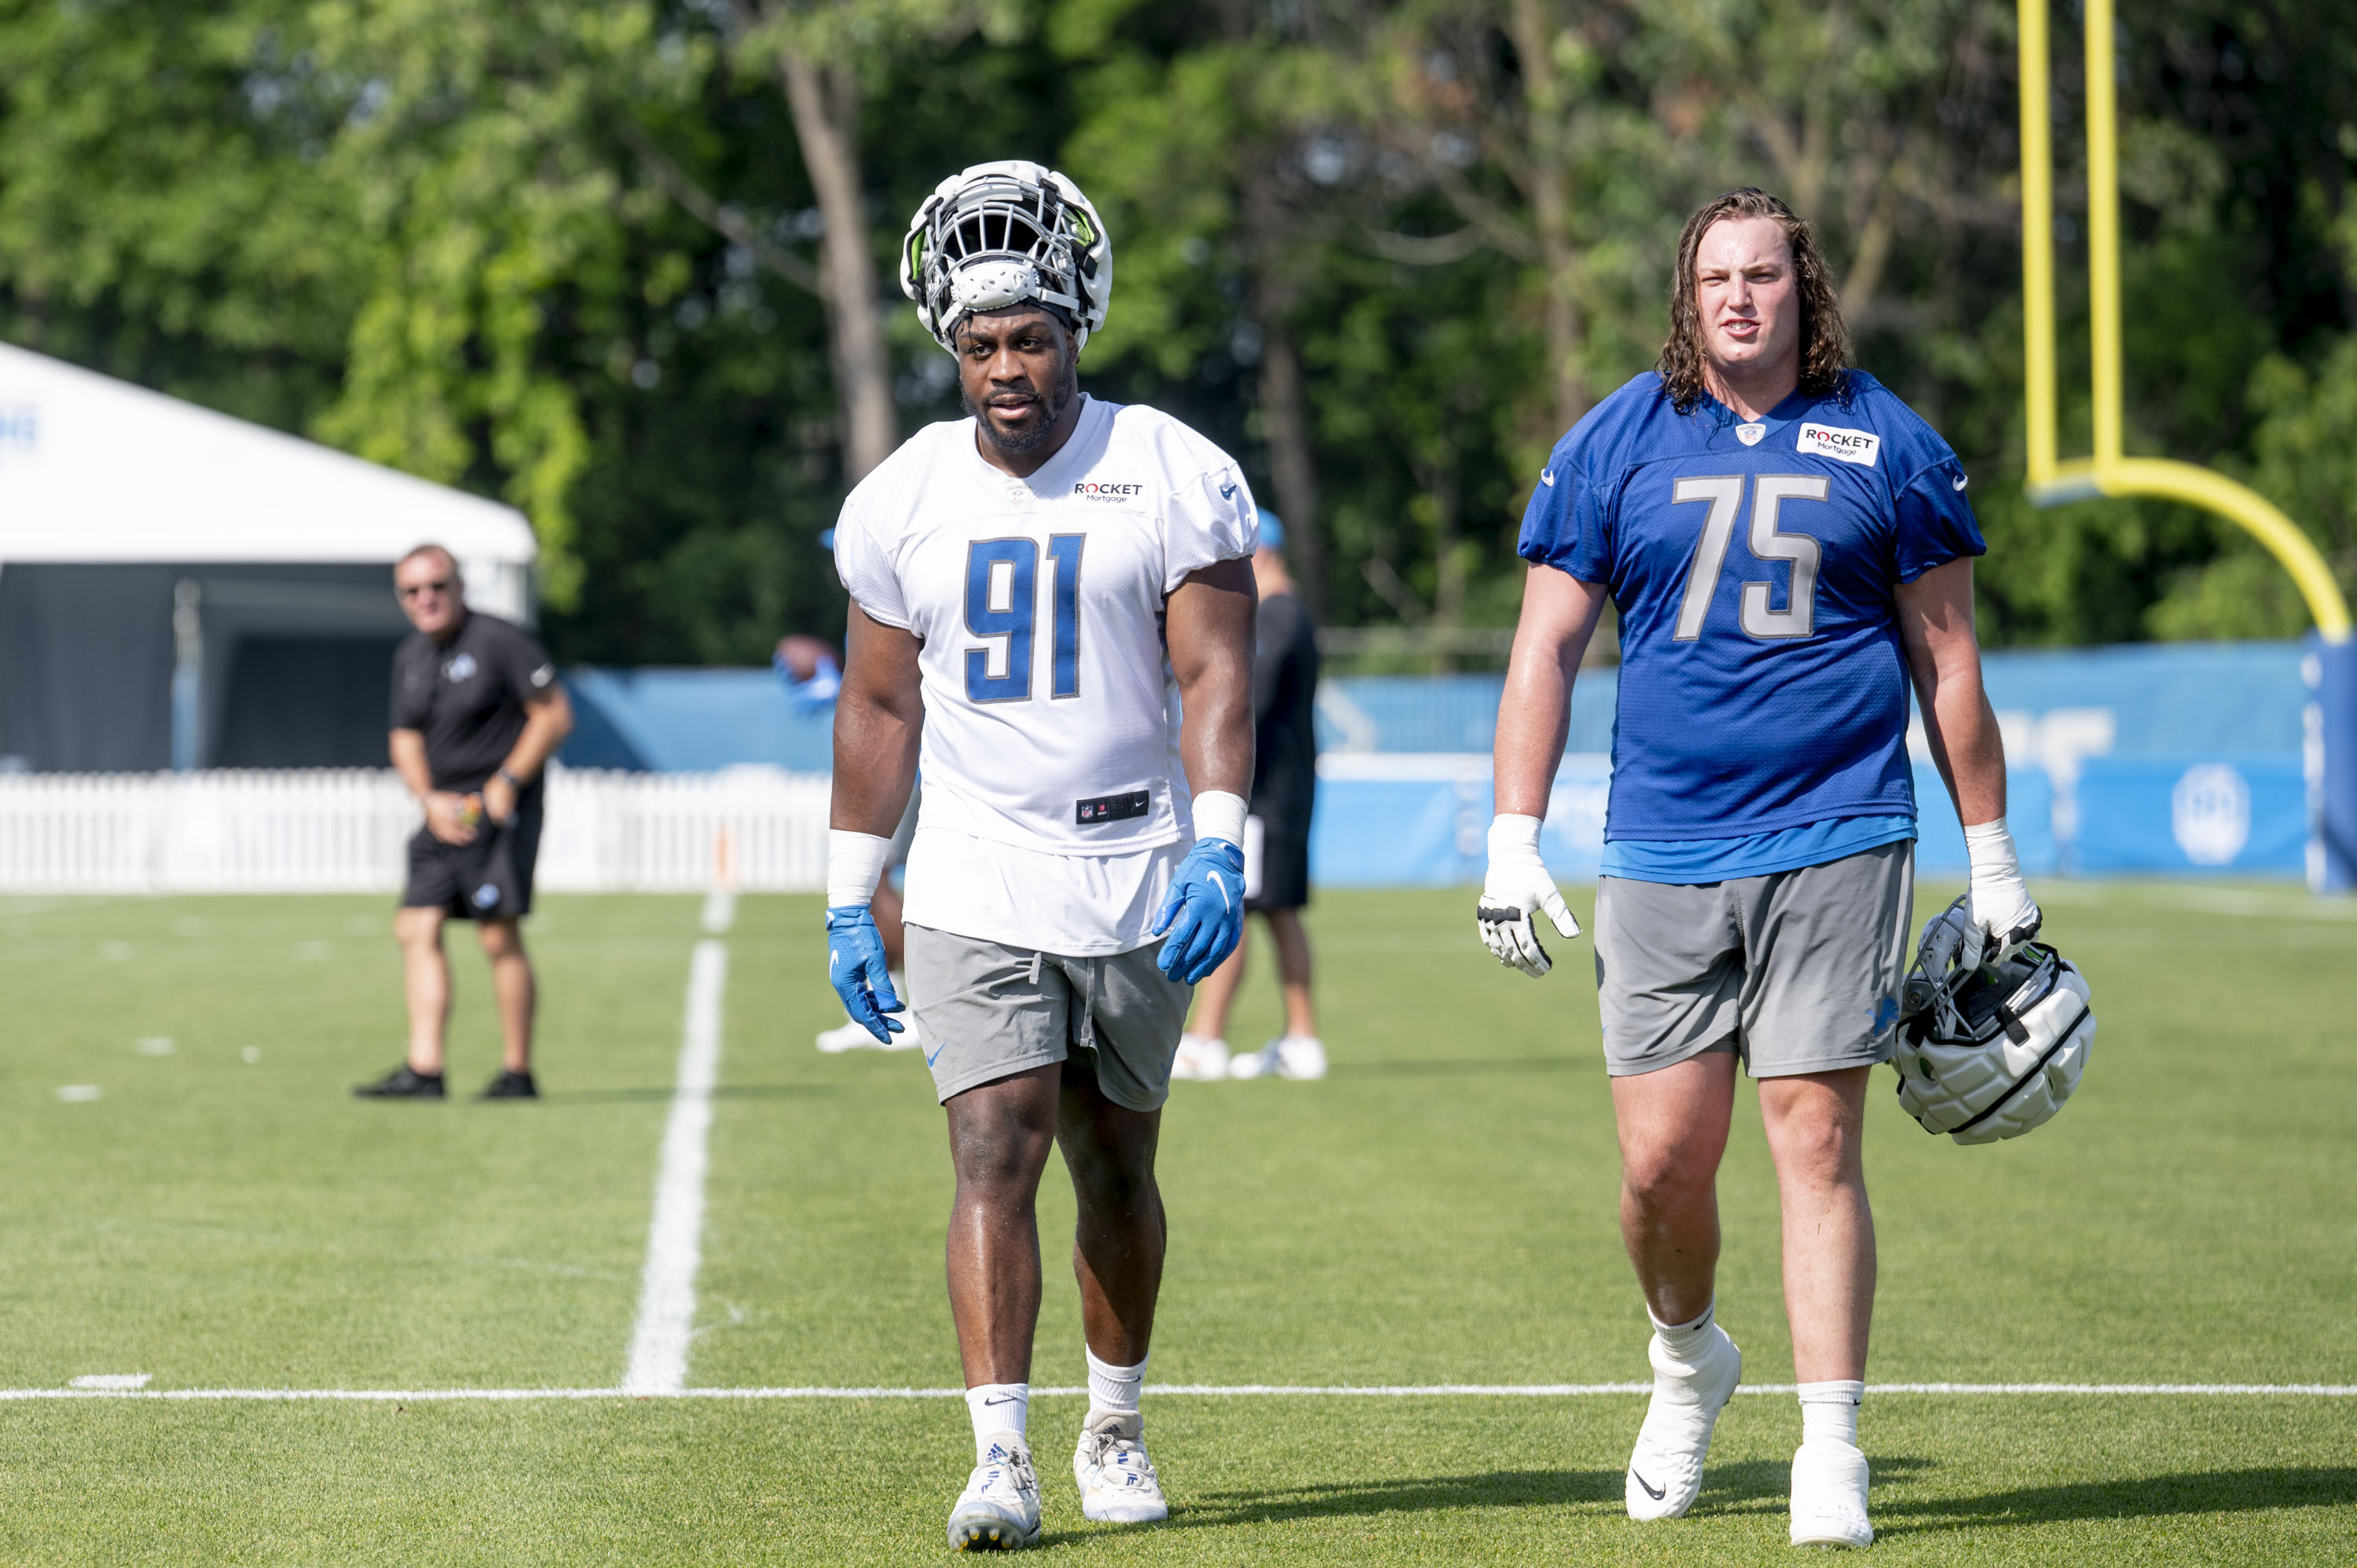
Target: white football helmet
[1988,1053]
[1006,233]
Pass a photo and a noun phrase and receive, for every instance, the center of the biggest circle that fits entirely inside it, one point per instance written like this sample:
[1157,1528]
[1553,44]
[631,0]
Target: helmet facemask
[1003,234]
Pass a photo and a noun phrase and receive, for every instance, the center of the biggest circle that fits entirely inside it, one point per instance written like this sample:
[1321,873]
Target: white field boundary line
[1214,1391]
[666,1323]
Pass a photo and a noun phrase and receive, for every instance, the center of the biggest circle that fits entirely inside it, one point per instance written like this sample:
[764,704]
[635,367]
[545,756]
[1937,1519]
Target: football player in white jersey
[1034,590]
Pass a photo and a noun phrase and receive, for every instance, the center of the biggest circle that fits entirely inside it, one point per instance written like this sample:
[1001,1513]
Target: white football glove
[2000,915]
[1517,888]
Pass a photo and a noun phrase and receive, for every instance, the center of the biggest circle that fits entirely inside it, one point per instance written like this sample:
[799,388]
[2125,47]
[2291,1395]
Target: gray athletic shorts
[989,1011]
[1797,971]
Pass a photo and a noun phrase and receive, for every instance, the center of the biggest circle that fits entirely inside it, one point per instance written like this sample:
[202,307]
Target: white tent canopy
[97,470]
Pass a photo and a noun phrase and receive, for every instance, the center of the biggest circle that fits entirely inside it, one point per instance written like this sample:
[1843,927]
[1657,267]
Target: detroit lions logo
[1885,1015]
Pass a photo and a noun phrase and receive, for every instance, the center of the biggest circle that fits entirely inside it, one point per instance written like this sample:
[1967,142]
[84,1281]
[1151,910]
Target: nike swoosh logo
[930,1061]
[1652,1490]
[1227,492]
[1962,481]
[1547,477]
[1002,1399]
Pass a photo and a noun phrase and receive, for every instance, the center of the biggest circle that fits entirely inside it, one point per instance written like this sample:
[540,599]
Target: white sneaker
[1665,1470]
[853,1036]
[1118,1485]
[1829,1495]
[1261,1063]
[1300,1055]
[848,1036]
[1200,1058]
[1288,1056]
[999,1509]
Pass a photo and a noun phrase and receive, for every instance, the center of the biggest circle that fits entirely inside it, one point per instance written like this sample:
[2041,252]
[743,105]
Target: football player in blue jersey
[1789,548]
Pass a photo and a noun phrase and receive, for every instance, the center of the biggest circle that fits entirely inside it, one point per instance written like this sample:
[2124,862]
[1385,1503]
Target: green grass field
[1440,1210]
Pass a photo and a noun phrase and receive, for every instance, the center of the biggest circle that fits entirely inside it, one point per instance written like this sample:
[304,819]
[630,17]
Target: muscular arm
[1944,657]
[444,810]
[1559,615]
[408,747]
[1209,628]
[547,720]
[879,716]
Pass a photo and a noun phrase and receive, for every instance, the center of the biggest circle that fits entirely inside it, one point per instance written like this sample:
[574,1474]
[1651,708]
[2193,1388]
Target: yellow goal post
[2107,472]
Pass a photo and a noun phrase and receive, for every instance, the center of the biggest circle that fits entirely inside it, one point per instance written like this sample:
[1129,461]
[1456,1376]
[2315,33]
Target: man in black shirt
[1276,836]
[476,712]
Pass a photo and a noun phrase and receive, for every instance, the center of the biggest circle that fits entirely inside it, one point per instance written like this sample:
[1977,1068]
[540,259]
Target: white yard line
[675,1237]
[1220,1390]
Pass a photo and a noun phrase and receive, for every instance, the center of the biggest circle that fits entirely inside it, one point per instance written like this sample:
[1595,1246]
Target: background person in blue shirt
[1788,547]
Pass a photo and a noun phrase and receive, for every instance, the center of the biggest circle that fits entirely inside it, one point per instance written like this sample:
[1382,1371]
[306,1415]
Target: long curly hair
[1824,340]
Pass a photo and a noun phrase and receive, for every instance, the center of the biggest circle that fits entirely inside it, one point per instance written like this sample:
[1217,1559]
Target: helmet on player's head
[1988,1053]
[1001,234]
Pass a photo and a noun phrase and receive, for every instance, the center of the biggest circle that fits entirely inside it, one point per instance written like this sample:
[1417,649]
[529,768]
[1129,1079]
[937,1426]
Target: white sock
[1685,1338]
[1830,1410]
[996,1408]
[1113,1390]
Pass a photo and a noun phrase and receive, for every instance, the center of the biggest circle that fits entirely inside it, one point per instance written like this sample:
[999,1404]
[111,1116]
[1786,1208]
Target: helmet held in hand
[1988,1053]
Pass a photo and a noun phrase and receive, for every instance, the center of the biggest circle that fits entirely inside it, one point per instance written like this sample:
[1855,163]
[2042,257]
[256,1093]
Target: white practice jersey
[1052,716]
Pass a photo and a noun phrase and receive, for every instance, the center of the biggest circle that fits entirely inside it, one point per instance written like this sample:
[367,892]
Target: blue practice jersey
[1763,682]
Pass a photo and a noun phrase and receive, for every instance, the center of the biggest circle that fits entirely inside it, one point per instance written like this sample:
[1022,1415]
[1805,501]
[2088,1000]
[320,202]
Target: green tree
[626,265]
[162,213]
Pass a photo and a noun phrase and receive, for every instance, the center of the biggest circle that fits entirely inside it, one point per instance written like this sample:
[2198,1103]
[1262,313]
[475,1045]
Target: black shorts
[490,879]
[1277,876]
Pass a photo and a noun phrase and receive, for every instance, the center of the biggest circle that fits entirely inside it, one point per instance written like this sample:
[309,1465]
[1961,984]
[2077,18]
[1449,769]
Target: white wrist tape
[1220,815]
[1990,849]
[854,864]
[1514,837]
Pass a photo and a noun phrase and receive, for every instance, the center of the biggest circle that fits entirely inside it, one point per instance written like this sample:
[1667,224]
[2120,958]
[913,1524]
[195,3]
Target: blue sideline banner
[2234,815]
[2100,743]
[2028,813]
[1400,821]
[1424,821]
[2330,670]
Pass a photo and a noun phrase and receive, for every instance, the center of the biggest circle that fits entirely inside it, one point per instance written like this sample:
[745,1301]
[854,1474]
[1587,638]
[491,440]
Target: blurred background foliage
[631,266]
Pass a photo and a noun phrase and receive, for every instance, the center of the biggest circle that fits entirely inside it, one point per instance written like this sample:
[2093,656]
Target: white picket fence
[345,830]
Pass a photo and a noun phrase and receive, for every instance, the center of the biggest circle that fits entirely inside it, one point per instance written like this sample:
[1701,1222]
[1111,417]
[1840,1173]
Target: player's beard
[1052,406]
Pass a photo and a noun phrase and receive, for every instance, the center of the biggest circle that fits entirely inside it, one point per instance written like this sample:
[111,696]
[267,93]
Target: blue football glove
[856,963]
[1204,911]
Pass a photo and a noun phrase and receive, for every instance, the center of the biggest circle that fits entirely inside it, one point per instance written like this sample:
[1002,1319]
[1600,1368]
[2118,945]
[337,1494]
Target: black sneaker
[403,1082]
[511,1086]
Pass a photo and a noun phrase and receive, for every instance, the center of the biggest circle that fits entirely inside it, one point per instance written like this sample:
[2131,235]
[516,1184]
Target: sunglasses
[441,586]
